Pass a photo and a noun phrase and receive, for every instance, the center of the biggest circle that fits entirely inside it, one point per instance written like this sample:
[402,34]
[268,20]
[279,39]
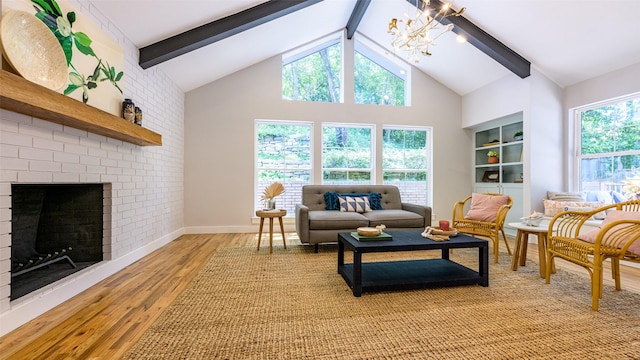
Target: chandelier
[415,34]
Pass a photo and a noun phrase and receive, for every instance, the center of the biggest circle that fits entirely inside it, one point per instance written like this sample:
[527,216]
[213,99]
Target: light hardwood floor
[106,320]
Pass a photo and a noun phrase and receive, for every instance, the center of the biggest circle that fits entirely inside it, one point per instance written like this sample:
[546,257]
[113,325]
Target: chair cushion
[485,207]
[333,219]
[394,218]
[359,204]
[612,216]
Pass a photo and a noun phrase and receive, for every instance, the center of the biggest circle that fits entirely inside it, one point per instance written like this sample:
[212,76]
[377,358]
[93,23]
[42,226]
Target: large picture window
[608,139]
[347,154]
[314,74]
[406,162]
[377,80]
[283,154]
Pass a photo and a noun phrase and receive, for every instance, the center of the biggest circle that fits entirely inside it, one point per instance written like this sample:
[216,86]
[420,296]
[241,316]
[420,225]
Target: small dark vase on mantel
[138,120]
[128,110]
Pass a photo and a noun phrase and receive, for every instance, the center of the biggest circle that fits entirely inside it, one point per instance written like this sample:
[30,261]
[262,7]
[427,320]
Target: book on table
[381,236]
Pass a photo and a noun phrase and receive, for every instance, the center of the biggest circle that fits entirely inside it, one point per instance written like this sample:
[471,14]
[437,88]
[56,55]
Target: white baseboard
[30,306]
[289,226]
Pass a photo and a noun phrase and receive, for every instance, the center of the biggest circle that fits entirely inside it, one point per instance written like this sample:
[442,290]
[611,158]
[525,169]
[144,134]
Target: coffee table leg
[483,267]
[517,251]
[340,256]
[542,254]
[357,274]
[445,254]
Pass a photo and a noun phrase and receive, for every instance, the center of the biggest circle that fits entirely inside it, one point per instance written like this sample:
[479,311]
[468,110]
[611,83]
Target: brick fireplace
[57,230]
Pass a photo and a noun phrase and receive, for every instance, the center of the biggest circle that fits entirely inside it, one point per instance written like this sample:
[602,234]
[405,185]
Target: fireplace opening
[56,230]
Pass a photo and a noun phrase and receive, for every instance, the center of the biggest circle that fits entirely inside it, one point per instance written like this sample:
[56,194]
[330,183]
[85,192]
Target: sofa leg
[315,248]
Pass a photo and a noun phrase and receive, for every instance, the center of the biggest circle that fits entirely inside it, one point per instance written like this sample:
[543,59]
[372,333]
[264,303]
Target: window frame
[258,188]
[372,149]
[576,140]
[388,61]
[311,48]
[428,157]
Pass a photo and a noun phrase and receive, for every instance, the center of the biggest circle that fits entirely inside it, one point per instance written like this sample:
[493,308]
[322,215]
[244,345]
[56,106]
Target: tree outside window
[346,154]
[406,162]
[609,155]
[313,76]
[283,154]
[373,84]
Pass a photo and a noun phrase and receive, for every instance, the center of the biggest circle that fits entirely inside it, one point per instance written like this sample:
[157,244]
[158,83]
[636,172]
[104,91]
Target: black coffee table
[410,274]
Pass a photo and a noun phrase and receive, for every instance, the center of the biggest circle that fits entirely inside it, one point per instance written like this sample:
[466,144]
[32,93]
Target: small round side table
[270,214]
[522,238]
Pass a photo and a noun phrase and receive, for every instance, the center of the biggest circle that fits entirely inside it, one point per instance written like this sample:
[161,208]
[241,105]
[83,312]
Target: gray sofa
[315,224]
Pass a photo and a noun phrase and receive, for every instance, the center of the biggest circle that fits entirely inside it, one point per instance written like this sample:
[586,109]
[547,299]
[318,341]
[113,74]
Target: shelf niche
[22,96]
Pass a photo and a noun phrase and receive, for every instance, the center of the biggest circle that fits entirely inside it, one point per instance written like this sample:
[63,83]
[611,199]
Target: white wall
[503,97]
[219,148]
[617,83]
[545,164]
[146,182]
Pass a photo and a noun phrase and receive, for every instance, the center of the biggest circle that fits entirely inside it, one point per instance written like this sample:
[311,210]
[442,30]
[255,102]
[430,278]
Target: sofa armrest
[424,211]
[302,222]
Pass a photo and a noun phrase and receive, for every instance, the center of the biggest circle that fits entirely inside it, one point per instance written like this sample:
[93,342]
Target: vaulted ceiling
[568,41]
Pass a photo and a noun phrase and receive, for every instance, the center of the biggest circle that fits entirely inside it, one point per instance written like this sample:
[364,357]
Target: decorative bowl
[32,50]
[368,231]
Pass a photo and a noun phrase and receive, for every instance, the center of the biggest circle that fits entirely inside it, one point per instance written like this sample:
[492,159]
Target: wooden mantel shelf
[22,96]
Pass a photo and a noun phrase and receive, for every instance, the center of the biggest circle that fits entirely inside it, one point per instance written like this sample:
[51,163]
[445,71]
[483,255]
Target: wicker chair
[490,230]
[563,242]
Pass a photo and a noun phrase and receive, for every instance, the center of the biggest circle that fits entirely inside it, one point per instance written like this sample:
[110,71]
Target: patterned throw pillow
[354,204]
[565,196]
[552,208]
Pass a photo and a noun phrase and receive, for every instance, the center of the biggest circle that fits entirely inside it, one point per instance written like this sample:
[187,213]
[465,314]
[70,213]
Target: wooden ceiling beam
[356,17]
[223,28]
[485,42]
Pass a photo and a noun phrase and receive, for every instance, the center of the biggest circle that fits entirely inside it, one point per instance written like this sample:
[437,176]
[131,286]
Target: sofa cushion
[612,216]
[485,207]
[333,219]
[359,204]
[331,199]
[394,218]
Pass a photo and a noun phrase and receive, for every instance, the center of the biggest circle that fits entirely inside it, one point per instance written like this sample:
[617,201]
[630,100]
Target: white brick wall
[145,183]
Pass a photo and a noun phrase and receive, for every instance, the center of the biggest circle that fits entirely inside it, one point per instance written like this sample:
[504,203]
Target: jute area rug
[293,304]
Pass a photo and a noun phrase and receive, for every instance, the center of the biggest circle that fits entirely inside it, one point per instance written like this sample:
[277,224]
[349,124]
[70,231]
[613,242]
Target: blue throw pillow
[331,200]
[617,197]
[375,199]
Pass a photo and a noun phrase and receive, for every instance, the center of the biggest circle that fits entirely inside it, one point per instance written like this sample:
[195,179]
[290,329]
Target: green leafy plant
[492,153]
[50,14]
[519,133]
